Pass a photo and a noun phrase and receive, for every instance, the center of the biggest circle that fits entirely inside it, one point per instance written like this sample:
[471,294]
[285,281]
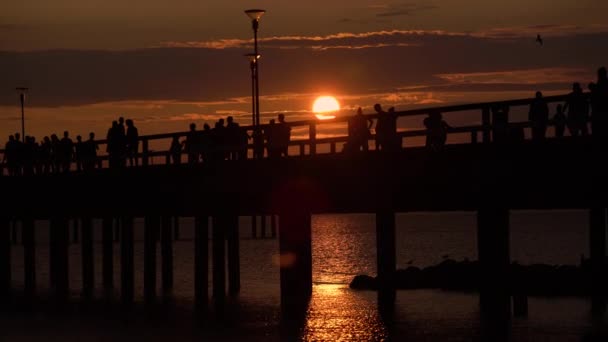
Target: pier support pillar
[127,268]
[386,258]
[29,258]
[219,261]
[151,228]
[5,259]
[201,261]
[107,251]
[234,265]
[61,233]
[295,248]
[597,249]
[166,254]
[494,262]
[88,263]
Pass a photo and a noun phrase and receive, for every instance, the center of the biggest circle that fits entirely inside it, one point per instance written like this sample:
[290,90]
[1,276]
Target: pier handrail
[312,142]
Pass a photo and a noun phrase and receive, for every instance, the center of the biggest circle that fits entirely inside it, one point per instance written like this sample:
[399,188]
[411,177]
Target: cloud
[402,9]
[207,79]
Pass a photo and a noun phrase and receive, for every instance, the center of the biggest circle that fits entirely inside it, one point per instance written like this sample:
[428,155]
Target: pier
[477,174]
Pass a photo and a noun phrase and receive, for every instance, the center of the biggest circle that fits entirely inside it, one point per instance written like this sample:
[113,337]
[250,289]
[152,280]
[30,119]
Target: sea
[343,247]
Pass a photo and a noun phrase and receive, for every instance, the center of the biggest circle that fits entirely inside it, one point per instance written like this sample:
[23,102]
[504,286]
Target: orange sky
[167,63]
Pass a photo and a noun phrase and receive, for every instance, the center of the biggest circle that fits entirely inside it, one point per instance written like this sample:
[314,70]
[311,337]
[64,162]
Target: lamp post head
[252,57]
[255,15]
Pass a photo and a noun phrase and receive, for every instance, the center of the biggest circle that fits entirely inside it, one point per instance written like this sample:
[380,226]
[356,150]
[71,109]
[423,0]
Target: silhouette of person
[232,138]
[538,116]
[55,153]
[243,141]
[9,158]
[559,120]
[80,153]
[191,144]
[206,143]
[45,155]
[272,140]
[437,131]
[599,105]
[500,124]
[176,151]
[577,108]
[90,153]
[359,132]
[67,152]
[283,135]
[121,143]
[258,143]
[132,140]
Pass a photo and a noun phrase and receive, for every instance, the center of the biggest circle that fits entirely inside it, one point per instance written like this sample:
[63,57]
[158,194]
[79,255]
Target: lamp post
[22,91]
[253,59]
[255,15]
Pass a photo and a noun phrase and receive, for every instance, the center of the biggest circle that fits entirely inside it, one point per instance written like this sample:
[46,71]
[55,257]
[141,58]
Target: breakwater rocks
[535,279]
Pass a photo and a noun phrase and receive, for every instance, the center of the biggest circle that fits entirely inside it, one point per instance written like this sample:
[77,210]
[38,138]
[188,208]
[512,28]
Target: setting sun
[325,106]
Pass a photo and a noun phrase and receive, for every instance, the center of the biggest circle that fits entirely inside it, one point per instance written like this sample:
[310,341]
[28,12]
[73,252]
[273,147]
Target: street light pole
[22,91]
[255,15]
[253,58]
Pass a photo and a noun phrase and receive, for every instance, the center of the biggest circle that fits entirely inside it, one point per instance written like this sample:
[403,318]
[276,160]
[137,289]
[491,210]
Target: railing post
[485,122]
[144,152]
[474,137]
[332,147]
[312,135]
[302,146]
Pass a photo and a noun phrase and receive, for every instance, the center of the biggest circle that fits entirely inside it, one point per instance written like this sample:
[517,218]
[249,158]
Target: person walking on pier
[577,108]
[359,132]
[90,153]
[132,143]
[175,151]
[538,117]
[79,155]
[67,152]
[559,120]
[599,105]
[191,145]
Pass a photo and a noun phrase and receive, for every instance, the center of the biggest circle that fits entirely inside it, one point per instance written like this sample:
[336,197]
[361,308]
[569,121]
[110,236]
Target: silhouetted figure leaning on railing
[386,129]
[67,152]
[437,131]
[538,115]
[89,151]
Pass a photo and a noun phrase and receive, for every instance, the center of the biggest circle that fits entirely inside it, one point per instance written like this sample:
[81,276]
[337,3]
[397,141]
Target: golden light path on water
[337,314]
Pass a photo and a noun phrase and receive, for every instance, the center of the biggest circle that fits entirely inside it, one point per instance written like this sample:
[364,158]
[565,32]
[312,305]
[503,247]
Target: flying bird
[539,40]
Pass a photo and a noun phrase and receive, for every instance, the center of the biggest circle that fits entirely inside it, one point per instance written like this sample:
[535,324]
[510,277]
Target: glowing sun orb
[325,106]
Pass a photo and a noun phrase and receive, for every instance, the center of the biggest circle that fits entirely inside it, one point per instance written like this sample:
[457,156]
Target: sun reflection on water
[337,313]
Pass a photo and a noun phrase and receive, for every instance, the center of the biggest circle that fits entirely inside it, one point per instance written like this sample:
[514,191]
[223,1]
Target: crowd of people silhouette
[228,141]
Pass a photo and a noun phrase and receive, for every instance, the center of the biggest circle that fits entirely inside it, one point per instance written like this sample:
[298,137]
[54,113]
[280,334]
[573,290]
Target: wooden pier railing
[314,144]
